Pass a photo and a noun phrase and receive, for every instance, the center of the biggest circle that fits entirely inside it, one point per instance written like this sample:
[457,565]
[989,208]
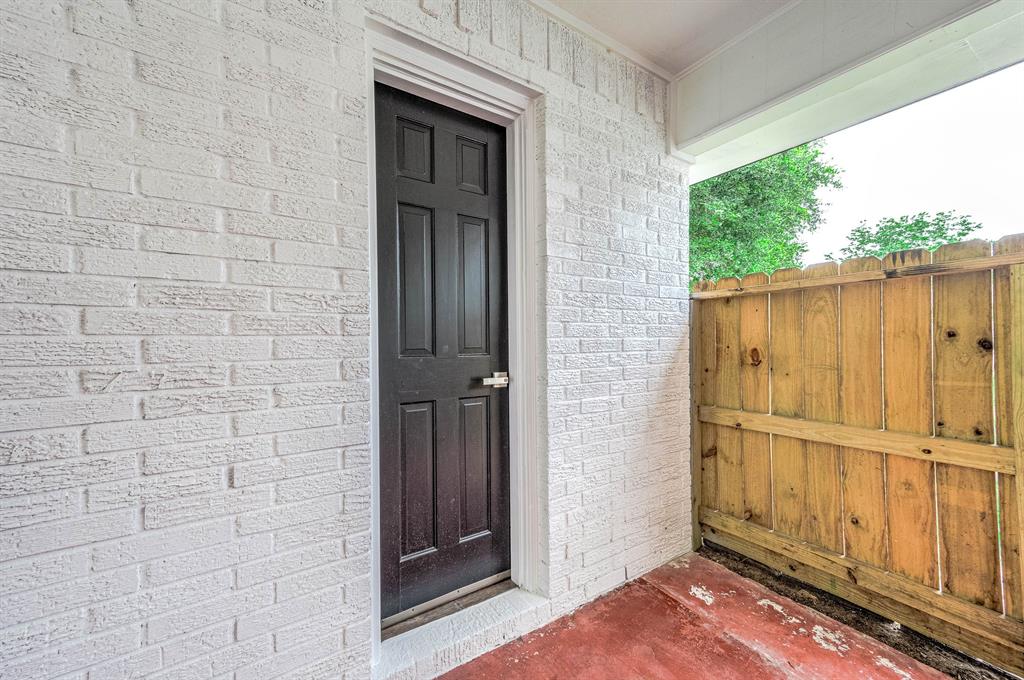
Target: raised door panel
[415,150]
[474,317]
[417,445]
[475,463]
[416,280]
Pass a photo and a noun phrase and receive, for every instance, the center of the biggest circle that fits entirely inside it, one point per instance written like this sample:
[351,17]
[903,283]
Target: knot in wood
[985,344]
[755,356]
[951,333]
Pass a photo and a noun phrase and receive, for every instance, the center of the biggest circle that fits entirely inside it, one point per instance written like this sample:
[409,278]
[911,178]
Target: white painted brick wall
[184,329]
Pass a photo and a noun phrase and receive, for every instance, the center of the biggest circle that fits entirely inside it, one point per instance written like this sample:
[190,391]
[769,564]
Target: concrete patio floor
[693,618]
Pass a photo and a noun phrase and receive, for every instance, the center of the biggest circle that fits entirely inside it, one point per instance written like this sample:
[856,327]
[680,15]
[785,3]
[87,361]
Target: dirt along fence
[861,426]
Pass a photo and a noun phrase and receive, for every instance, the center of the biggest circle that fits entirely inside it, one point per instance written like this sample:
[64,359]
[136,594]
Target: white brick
[172,377]
[160,350]
[23,415]
[65,290]
[280,516]
[21,511]
[57,167]
[144,490]
[68,595]
[139,434]
[36,572]
[190,509]
[285,324]
[138,151]
[35,384]
[64,473]
[65,534]
[321,256]
[201,243]
[56,661]
[202,190]
[202,297]
[276,372]
[151,545]
[201,402]
[204,454]
[277,226]
[215,558]
[36,320]
[155,601]
[54,352]
[76,231]
[34,256]
[266,274]
[146,322]
[149,265]
[321,438]
[285,419]
[122,208]
[287,467]
[225,606]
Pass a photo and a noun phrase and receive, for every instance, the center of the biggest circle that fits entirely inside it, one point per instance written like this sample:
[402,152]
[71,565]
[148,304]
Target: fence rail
[861,424]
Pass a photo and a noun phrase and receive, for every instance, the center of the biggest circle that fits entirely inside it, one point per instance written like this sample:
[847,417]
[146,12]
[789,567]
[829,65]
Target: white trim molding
[402,61]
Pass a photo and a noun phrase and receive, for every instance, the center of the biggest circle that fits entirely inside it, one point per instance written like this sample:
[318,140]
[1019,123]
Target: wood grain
[866,530]
[888,272]
[754,393]
[823,498]
[789,469]
[895,444]
[1009,510]
[907,391]
[729,475]
[968,542]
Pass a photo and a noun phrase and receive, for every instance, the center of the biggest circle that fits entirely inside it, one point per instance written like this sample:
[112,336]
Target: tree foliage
[750,219]
[909,231]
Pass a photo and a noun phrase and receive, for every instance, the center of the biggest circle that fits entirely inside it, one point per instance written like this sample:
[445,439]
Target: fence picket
[754,394]
[860,424]
[789,475]
[707,394]
[729,475]
[821,403]
[860,353]
[910,484]
[1010,528]
[968,545]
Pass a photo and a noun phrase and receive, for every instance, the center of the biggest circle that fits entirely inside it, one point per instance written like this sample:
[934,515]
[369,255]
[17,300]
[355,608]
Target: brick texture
[185,315]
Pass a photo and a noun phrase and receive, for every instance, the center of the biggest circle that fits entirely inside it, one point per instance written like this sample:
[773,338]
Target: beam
[982,632]
[1017,394]
[939,449]
[933,269]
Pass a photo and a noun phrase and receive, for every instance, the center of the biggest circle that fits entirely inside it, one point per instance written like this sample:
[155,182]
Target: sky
[961,150]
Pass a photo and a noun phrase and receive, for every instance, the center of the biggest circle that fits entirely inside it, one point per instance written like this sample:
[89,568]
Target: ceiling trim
[611,43]
[736,39]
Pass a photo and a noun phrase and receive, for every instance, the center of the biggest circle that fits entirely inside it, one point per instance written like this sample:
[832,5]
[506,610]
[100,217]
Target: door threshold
[447,604]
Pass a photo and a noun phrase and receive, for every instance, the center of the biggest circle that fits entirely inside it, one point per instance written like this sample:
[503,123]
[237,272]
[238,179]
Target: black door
[444,466]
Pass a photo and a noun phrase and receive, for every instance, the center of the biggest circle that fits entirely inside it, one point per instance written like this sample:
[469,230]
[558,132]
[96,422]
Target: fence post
[1017,376]
[696,449]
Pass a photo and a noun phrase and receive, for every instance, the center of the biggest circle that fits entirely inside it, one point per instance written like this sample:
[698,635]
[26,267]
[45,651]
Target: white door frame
[414,66]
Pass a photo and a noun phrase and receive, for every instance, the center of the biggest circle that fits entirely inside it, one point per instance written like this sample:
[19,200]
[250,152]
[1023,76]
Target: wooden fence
[860,425]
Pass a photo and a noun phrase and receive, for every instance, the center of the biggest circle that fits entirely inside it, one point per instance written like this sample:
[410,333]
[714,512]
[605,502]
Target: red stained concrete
[693,618]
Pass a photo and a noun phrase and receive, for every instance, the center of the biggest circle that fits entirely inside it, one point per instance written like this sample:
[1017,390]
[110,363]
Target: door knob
[497,379]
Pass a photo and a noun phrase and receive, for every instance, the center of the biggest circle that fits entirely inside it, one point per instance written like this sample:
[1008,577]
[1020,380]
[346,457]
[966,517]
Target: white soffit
[973,46]
[666,36]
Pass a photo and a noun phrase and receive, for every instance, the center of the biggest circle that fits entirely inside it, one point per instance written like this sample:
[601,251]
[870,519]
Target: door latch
[497,379]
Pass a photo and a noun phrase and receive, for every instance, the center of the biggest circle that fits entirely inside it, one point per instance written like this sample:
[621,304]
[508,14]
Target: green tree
[909,231]
[750,219]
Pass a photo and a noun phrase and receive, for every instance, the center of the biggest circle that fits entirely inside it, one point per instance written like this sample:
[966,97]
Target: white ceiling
[673,34]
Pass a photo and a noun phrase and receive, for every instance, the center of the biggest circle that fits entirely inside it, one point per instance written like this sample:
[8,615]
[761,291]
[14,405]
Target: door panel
[442,323]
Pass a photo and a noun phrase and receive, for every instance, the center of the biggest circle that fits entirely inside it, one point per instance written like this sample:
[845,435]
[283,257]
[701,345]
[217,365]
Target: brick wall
[184,328]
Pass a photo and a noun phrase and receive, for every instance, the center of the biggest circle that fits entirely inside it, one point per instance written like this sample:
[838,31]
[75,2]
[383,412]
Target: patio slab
[693,618]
